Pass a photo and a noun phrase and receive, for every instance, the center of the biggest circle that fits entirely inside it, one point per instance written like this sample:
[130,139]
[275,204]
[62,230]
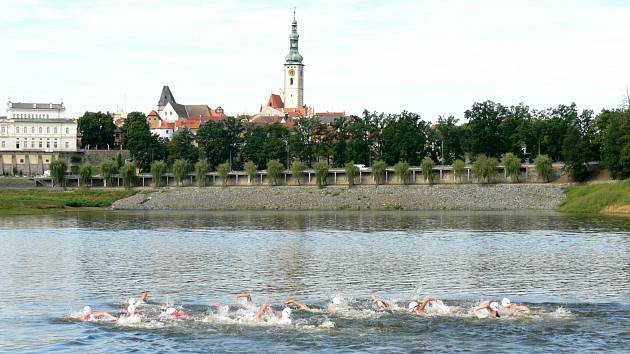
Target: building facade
[37,127]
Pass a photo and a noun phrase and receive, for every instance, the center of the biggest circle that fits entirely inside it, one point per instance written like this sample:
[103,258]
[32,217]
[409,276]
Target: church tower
[293,72]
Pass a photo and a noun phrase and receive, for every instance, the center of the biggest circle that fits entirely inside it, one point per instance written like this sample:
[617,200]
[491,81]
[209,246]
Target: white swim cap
[506,302]
[131,301]
[87,310]
[225,308]
[494,306]
[131,309]
[336,300]
[286,313]
[412,306]
[170,311]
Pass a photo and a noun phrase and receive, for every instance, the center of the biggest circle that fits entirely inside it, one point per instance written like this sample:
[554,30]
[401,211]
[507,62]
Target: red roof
[275,101]
[188,123]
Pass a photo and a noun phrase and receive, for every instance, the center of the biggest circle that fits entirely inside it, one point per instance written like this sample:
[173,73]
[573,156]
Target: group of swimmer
[265,313]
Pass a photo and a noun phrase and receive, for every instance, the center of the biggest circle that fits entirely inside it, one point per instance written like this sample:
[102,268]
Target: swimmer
[87,315]
[491,306]
[132,310]
[171,312]
[420,308]
[299,305]
[245,300]
[283,318]
[380,303]
[143,298]
[221,310]
[336,304]
[507,306]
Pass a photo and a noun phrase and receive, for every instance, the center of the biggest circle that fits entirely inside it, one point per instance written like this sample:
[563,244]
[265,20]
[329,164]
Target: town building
[171,111]
[160,127]
[37,127]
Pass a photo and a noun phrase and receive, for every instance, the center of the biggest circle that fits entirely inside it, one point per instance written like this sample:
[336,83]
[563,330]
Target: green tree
[143,146]
[58,168]
[220,141]
[574,152]
[321,174]
[274,170]
[512,165]
[297,170]
[158,168]
[378,172]
[543,167]
[352,172]
[96,129]
[459,169]
[182,147]
[615,142]
[85,174]
[304,138]
[201,169]
[452,139]
[224,173]
[403,172]
[485,168]
[251,170]
[404,138]
[427,169]
[108,169]
[180,169]
[128,173]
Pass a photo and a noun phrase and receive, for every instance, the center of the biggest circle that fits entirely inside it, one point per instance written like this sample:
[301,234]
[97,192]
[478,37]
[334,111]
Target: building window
[67,145]
[3,144]
[291,81]
[40,143]
[2,130]
[17,130]
[47,116]
[17,144]
[67,130]
[32,130]
[32,144]
[55,144]
[47,130]
[40,130]
[55,130]
[47,144]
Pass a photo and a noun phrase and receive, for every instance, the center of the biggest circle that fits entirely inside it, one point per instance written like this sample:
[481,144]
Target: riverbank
[35,201]
[389,197]
[607,198]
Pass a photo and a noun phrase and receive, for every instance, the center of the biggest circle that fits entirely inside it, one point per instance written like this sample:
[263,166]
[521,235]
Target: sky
[429,57]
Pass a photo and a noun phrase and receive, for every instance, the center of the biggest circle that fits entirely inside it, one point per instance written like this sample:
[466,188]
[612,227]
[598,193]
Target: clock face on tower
[291,72]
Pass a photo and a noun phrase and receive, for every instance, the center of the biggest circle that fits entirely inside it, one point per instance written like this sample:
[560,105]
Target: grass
[34,201]
[596,198]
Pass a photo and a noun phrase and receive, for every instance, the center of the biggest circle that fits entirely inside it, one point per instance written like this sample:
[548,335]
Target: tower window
[291,81]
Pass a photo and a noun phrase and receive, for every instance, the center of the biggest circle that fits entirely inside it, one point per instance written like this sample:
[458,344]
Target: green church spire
[294,57]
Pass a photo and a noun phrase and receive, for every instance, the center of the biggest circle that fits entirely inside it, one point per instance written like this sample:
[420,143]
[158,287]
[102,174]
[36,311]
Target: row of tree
[491,129]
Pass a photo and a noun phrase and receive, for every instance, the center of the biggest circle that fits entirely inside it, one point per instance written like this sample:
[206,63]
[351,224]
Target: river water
[574,274]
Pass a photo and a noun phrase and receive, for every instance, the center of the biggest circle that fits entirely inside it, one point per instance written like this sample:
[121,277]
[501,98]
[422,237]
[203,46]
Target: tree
[251,170]
[182,147]
[224,173]
[220,141]
[512,165]
[484,120]
[144,147]
[158,168]
[485,168]
[404,139]
[615,142]
[180,169]
[274,170]
[427,169]
[352,172]
[201,169]
[574,153]
[58,170]
[459,169]
[85,174]
[543,167]
[321,174]
[108,169]
[297,169]
[451,139]
[96,129]
[378,172]
[128,173]
[403,172]
[304,138]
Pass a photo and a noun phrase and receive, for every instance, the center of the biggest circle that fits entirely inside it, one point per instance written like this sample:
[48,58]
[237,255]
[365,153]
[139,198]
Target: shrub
[251,170]
[128,173]
[108,169]
[58,169]
[321,174]
[459,169]
[85,174]
[201,168]
[485,168]
[403,172]
[224,173]
[378,172]
[352,172]
[427,169]
[274,170]
[512,165]
[543,167]
[158,168]
[180,169]
[297,169]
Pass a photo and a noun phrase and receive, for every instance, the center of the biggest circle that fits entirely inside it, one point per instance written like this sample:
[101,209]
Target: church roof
[275,101]
[197,110]
[166,97]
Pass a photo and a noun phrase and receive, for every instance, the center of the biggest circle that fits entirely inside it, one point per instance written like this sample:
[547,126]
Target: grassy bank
[612,198]
[32,201]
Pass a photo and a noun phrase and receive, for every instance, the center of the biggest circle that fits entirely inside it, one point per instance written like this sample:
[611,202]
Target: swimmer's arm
[299,305]
[143,297]
[424,303]
[483,305]
[519,308]
[103,314]
[246,295]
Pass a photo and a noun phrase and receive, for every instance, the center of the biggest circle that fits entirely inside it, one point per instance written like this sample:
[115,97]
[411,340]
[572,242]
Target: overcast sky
[430,57]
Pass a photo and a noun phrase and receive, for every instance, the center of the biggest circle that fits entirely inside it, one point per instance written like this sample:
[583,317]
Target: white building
[293,72]
[37,127]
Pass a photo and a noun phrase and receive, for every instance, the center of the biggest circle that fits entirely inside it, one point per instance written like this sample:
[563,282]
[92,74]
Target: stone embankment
[389,197]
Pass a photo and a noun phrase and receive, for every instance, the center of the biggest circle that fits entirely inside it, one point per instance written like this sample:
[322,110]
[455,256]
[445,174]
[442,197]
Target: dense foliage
[96,129]
[158,168]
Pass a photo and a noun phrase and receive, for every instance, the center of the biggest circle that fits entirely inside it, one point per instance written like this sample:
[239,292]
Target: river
[573,273]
